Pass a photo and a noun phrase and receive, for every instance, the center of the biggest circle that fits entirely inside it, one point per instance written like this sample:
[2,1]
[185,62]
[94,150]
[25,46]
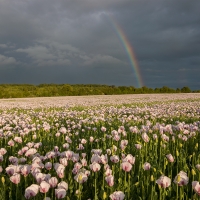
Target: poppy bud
[137,183]
[3,180]
[166,162]
[104,195]
[193,172]
[178,178]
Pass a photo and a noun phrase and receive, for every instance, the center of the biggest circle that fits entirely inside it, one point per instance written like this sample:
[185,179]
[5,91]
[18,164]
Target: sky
[151,43]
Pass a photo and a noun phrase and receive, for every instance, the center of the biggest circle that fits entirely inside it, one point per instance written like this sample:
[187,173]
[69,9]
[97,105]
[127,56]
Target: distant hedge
[49,90]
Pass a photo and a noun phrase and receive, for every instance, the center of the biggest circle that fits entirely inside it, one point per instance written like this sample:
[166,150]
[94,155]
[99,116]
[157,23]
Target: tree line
[49,90]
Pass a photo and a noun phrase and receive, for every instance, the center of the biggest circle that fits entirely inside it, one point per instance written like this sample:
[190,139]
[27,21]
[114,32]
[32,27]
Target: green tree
[185,89]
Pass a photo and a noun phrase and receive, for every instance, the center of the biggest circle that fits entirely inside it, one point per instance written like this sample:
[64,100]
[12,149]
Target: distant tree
[185,89]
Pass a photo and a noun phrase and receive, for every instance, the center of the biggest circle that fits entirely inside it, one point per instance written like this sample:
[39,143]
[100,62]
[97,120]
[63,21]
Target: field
[131,147]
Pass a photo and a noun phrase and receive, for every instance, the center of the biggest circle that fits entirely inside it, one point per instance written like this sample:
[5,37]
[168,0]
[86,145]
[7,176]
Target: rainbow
[129,50]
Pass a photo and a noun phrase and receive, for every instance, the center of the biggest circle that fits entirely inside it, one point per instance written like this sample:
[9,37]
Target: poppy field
[131,147]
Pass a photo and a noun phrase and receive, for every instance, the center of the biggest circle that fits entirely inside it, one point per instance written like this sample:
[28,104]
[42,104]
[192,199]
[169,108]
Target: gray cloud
[75,42]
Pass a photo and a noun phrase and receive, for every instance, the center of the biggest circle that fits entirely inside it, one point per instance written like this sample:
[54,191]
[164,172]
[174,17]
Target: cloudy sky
[79,42]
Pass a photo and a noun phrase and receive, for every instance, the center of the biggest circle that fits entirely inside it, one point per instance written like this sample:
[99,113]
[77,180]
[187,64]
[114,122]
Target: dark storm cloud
[74,41]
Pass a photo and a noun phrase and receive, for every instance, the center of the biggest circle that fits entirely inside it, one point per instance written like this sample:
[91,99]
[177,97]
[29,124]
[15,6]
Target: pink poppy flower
[83,141]
[31,191]
[66,145]
[96,158]
[124,143]
[181,179]
[63,185]
[63,161]
[56,148]
[48,165]
[77,165]
[80,147]
[60,193]
[114,158]
[30,144]
[103,129]
[198,166]
[25,170]
[110,180]
[13,160]
[108,172]
[30,152]
[69,154]
[53,181]
[91,139]
[60,172]
[84,162]
[11,169]
[108,151]
[35,171]
[95,167]
[57,134]
[83,155]
[44,187]
[126,166]
[11,143]
[129,158]
[104,159]
[75,157]
[15,178]
[1,158]
[118,195]
[164,181]
[24,149]
[81,177]
[63,130]
[1,169]
[18,139]
[145,137]
[68,139]
[116,137]
[40,177]
[155,136]
[138,146]
[51,154]
[146,166]
[196,187]
[170,157]
[3,151]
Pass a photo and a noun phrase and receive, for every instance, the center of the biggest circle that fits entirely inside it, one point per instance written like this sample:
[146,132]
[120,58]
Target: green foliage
[49,90]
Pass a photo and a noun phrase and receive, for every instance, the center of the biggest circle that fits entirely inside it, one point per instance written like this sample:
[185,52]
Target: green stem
[129,185]
[177,192]
[16,191]
[160,193]
[125,179]
[80,190]
[95,186]
[152,188]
